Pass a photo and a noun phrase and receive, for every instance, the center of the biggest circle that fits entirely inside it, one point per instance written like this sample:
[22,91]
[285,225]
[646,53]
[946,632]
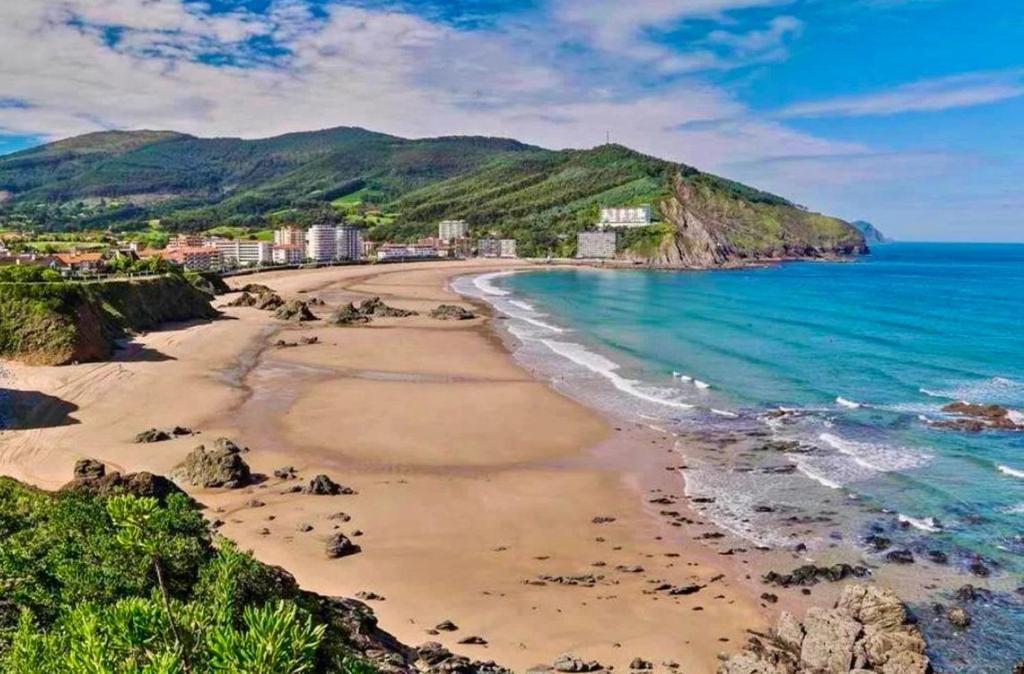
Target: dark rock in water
[89,469]
[974,418]
[321,485]
[877,542]
[810,574]
[958,617]
[780,446]
[152,435]
[375,307]
[294,310]
[968,593]
[938,556]
[570,663]
[979,569]
[451,312]
[900,557]
[91,477]
[268,302]
[1019,668]
[348,315]
[221,466]
[339,545]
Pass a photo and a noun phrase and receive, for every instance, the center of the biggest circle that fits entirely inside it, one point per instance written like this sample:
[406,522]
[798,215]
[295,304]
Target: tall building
[507,248]
[488,247]
[452,229]
[290,236]
[322,243]
[350,242]
[242,253]
[596,245]
[625,216]
[288,253]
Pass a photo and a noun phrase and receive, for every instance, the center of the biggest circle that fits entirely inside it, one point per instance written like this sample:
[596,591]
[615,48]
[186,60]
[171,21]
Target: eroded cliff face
[710,227]
[61,323]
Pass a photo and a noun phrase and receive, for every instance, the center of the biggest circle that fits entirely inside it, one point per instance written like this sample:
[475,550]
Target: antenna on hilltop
[607,137]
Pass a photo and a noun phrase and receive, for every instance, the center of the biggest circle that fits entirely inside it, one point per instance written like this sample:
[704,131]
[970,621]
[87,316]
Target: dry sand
[472,477]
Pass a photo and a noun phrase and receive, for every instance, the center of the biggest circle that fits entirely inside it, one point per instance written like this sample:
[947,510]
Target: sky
[906,113]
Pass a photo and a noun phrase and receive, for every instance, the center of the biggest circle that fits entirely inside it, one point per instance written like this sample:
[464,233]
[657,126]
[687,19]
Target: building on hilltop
[79,263]
[186,241]
[290,236]
[625,216]
[349,243]
[287,253]
[322,243]
[599,245]
[447,230]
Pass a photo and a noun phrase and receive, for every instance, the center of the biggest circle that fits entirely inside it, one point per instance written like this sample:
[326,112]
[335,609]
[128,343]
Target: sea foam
[484,285]
[924,524]
[1013,472]
[843,402]
[873,456]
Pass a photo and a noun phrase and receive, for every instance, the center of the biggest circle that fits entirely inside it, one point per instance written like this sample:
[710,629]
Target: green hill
[401,188]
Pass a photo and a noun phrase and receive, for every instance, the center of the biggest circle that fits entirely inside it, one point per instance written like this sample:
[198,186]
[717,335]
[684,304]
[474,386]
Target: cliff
[712,222]
[871,233]
[64,322]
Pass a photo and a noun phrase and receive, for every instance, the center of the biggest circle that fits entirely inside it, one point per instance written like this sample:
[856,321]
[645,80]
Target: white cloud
[926,95]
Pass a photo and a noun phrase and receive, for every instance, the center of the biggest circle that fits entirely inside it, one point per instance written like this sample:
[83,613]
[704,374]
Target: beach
[483,496]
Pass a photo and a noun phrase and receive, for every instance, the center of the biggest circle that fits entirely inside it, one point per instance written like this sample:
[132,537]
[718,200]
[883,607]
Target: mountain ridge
[402,187]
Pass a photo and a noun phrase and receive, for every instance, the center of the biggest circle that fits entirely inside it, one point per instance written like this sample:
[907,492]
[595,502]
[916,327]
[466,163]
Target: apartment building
[242,253]
[349,242]
[596,245]
[322,243]
[625,216]
[287,253]
[290,236]
[452,229]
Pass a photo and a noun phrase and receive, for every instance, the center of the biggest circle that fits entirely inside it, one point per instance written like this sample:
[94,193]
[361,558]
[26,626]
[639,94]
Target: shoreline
[449,533]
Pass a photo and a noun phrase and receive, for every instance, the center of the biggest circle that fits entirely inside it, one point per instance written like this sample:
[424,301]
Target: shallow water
[859,355]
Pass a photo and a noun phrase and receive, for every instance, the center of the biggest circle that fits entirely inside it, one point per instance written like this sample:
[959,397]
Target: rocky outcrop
[811,574]
[268,302]
[91,477]
[866,631]
[160,435]
[376,308]
[220,466]
[712,222]
[321,485]
[63,323]
[243,300]
[972,418]
[294,310]
[451,312]
[340,545]
[348,314]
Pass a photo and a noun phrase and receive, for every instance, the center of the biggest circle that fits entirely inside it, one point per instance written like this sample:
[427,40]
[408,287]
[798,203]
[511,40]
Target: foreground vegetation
[130,585]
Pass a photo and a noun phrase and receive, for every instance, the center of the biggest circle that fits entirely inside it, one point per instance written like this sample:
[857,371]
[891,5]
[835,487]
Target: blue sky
[908,113]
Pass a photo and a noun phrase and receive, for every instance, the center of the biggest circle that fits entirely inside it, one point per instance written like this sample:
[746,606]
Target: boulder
[152,435]
[268,302]
[256,289]
[570,663]
[91,477]
[872,606]
[243,300]
[294,310]
[348,315]
[958,617]
[375,307]
[221,466]
[451,312]
[89,469]
[789,631]
[321,485]
[828,641]
[900,557]
[340,545]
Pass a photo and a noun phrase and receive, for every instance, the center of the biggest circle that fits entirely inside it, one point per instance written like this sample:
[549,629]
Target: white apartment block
[596,245]
[350,243]
[507,248]
[625,216]
[242,253]
[322,243]
[448,230]
[288,253]
[399,251]
[290,236]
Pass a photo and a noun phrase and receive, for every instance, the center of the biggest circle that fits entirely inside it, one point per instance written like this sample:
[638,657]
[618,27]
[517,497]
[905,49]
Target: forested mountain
[128,180]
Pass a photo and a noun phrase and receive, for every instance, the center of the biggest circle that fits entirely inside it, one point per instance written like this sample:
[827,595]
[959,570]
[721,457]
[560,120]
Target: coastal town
[291,246]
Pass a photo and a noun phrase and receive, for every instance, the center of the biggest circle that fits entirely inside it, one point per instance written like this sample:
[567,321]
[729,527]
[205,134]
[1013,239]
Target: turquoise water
[860,354]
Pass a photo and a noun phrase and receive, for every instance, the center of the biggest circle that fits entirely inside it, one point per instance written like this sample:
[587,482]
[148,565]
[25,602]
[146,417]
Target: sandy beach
[474,480]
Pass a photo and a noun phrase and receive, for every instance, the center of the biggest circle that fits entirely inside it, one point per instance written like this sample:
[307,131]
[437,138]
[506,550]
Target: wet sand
[474,480]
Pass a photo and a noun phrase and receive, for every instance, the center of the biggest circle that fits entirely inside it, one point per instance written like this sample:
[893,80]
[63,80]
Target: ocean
[816,382]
